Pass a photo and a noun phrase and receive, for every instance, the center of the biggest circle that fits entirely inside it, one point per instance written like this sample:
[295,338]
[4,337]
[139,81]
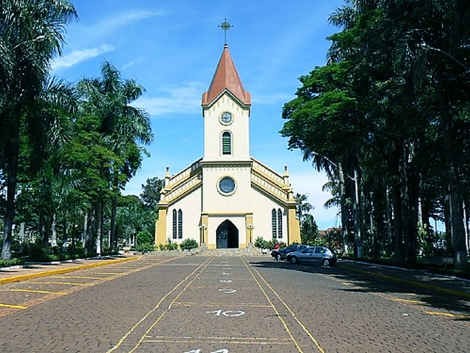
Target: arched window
[174,224]
[180,224]
[226,143]
[274,223]
[279,223]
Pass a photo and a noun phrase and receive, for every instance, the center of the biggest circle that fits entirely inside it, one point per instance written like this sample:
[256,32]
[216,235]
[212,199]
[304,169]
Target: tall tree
[122,126]
[151,192]
[31,34]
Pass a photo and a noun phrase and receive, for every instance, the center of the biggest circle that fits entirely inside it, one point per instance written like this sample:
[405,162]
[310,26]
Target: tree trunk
[413,218]
[454,193]
[397,225]
[54,231]
[357,218]
[458,232]
[12,150]
[99,228]
[344,209]
[112,232]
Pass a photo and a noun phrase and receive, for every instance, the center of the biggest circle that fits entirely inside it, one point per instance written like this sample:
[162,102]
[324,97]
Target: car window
[319,250]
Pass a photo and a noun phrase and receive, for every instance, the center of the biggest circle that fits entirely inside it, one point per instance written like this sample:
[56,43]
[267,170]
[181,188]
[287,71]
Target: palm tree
[123,127]
[303,206]
[31,34]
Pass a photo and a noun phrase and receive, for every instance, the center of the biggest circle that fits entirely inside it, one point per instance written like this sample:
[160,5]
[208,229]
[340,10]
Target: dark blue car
[281,254]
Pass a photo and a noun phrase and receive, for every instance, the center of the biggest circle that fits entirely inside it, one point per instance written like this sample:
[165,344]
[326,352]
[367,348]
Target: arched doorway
[227,235]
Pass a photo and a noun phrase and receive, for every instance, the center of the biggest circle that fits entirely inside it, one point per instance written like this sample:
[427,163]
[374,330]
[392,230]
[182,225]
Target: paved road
[233,304]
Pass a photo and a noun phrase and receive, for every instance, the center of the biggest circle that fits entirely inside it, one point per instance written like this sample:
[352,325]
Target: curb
[64,270]
[407,281]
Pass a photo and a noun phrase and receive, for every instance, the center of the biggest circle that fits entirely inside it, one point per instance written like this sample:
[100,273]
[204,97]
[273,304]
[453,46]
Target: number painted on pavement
[228,313]
[223,350]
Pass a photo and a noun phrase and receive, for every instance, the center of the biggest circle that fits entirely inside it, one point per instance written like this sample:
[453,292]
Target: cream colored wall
[262,217]
[191,207]
[213,129]
[214,201]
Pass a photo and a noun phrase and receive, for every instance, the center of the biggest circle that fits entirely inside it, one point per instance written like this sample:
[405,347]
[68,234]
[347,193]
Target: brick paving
[208,304]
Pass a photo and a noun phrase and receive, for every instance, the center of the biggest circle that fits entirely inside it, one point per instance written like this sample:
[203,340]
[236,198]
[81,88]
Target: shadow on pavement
[439,293]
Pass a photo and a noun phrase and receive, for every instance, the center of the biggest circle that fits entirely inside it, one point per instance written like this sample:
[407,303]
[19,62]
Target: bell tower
[226,112]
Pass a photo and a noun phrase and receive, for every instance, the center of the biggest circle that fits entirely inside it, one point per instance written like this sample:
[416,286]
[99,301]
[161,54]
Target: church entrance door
[227,235]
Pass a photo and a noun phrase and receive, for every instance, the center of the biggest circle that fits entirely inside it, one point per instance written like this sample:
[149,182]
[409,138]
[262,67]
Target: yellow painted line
[65,270]
[108,273]
[35,291]
[310,335]
[133,328]
[410,282]
[77,277]
[13,306]
[407,301]
[439,313]
[66,283]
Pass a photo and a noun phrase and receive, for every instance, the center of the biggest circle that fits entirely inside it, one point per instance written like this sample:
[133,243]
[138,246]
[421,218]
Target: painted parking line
[73,286]
[254,271]
[77,277]
[33,291]
[189,280]
[406,281]
[12,306]
[63,283]
[64,270]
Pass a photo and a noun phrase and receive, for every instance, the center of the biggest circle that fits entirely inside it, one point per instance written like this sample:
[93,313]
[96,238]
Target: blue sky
[172,49]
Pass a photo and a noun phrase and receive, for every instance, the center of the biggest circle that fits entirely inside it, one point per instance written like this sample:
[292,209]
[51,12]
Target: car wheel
[326,262]
[278,257]
[294,260]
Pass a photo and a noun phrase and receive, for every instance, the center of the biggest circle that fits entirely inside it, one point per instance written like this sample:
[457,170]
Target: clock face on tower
[226,118]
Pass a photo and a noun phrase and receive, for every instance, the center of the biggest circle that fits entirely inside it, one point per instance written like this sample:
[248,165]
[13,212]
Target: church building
[227,199]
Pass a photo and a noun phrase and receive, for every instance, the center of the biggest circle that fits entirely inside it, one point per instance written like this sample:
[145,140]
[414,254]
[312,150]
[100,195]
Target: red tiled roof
[226,77]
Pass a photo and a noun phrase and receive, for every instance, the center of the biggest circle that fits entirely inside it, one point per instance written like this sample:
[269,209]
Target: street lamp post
[203,228]
[250,229]
[38,39]
[426,46]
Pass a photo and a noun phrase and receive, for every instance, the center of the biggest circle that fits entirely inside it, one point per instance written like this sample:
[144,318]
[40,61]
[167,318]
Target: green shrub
[143,248]
[12,262]
[36,252]
[168,246]
[145,241]
[188,244]
[261,243]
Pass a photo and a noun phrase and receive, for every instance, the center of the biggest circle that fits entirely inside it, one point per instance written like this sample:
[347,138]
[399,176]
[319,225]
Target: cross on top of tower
[225,27]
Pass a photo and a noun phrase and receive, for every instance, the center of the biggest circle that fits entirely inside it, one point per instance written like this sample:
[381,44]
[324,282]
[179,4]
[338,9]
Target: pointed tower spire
[226,78]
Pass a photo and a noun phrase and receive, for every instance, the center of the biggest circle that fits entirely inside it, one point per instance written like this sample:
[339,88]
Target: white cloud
[129,64]
[111,24]
[173,100]
[78,56]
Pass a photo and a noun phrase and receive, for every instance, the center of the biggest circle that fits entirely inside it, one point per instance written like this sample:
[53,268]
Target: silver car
[319,254]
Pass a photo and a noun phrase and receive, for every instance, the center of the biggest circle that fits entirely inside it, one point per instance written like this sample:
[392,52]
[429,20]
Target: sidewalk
[419,278]
[35,270]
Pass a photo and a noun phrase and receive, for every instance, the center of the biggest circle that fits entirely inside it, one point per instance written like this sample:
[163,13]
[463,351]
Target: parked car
[280,254]
[319,254]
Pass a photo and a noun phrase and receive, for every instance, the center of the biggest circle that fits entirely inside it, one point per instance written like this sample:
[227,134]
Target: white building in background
[227,199]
